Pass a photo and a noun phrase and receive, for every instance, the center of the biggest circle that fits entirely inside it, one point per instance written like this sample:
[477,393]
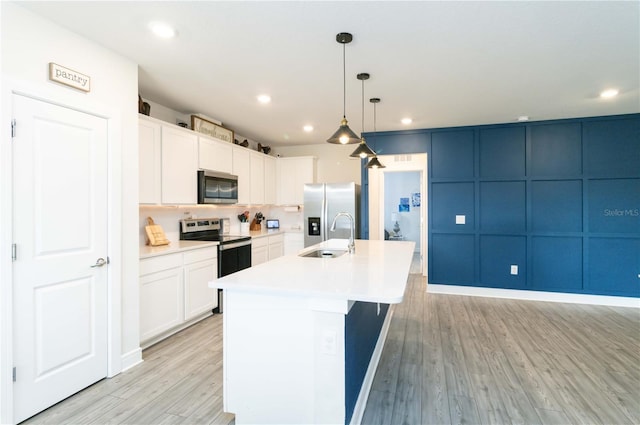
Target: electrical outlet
[461,219]
[329,342]
[514,269]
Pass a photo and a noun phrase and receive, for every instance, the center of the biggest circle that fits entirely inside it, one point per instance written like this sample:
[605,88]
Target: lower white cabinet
[276,246]
[266,248]
[174,291]
[259,251]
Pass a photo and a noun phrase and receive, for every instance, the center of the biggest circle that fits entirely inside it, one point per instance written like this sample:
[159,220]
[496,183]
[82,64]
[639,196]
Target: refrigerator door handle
[325,212]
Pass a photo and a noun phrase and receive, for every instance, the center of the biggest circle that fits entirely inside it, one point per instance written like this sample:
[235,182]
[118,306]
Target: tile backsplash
[169,217]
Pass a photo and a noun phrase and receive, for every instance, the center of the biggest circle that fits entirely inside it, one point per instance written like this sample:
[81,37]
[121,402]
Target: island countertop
[376,272]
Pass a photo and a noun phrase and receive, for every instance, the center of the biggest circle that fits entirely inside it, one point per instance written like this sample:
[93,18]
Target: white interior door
[60,233]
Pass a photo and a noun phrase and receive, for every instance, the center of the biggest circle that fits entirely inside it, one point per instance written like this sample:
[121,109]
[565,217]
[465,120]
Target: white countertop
[264,232]
[174,247]
[376,272]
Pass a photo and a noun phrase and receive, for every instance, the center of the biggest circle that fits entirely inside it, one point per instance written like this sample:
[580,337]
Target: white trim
[131,359]
[62,97]
[363,396]
[518,294]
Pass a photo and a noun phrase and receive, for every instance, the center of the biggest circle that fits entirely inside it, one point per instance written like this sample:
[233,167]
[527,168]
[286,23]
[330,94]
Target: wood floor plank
[379,408]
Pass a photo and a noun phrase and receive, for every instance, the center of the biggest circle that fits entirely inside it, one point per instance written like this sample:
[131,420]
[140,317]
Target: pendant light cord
[344,82]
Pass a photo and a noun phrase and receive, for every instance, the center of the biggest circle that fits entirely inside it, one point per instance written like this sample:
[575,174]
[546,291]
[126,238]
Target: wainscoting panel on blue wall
[556,206]
[556,150]
[612,147]
[451,200]
[502,152]
[614,266]
[503,207]
[454,150]
[452,259]
[497,256]
[614,205]
[569,188]
[556,263]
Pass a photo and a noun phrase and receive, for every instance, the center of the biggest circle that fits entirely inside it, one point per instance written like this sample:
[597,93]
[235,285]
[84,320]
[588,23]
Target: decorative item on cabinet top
[209,128]
[143,107]
[244,144]
[264,149]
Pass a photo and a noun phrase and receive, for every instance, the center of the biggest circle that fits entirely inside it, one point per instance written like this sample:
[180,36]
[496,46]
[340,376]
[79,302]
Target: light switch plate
[461,219]
[514,269]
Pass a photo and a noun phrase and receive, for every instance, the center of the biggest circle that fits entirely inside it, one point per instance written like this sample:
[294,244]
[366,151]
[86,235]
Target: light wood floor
[447,359]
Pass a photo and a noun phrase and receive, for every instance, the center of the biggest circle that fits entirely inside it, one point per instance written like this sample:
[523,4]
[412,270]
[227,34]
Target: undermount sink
[324,253]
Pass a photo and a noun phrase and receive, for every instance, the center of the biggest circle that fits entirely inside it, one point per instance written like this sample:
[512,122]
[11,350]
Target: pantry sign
[69,77]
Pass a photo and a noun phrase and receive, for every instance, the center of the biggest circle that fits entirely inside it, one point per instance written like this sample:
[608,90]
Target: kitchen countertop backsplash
[169,217]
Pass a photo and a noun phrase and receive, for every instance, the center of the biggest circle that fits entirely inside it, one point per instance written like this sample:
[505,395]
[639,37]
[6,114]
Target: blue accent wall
[362,328]
[560,199]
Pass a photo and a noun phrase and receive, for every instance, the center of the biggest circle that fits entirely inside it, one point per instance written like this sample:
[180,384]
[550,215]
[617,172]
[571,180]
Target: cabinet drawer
[159,263]
[201,254]
[276,239]
[259,242]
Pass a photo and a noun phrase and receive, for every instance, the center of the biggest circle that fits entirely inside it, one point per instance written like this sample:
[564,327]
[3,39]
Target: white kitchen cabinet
[293,242]
[149,161]
[174,291]
[179,166]
[259,250]
[292,174]
[200,267]
[161,294]
[242,169]
[215,155]
[276,246]
[270,196]
[256,162]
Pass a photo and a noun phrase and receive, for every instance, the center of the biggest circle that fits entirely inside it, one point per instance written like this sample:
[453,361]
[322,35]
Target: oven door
[233,257]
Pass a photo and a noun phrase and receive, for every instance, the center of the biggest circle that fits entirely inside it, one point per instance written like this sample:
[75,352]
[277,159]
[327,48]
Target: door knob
[100,262]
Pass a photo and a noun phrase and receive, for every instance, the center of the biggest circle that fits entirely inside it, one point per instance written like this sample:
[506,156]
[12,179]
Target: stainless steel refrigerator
[322,202]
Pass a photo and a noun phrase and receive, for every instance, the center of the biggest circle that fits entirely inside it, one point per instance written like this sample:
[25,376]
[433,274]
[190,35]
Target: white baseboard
[363,396]
[131,359]
[518,294]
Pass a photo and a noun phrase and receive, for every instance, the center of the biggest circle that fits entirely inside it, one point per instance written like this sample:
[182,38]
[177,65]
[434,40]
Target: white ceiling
[441,63]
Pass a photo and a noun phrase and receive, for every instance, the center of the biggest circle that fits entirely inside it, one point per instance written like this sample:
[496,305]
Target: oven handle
[234,245]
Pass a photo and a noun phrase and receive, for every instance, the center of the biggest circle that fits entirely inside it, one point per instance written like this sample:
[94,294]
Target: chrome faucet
[352,245]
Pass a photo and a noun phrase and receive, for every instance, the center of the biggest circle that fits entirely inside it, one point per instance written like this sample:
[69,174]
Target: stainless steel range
[234,252]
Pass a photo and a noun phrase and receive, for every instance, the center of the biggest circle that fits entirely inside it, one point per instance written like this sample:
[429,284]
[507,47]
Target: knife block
[255,225]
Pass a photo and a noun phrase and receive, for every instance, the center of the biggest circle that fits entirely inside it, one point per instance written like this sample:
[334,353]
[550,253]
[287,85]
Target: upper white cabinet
[257,178]
[242,169]
[270,180]
[291,175]
[179,166]
[215,155]
[149,161]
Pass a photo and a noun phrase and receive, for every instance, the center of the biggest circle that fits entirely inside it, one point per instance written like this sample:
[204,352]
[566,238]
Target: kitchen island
[303,335]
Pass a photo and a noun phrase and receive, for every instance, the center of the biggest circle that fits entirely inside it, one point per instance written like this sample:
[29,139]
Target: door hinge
[14,374]
[13,128]
[14,252]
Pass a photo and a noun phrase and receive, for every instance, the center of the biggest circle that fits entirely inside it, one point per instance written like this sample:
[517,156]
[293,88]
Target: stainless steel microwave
[217,188]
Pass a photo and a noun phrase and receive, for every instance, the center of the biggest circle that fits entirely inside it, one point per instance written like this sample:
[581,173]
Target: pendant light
[362,151]
[374,163]
[344,135]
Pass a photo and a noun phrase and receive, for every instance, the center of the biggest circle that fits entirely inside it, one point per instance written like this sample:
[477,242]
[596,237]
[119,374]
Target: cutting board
[155,233]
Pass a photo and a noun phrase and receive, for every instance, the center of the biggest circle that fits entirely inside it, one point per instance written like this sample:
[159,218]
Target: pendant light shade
[344,135]
[362,151]
[374,163]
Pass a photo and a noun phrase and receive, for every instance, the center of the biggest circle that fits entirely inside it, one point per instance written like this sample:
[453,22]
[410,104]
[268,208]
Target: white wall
[334,164]
[29,43]
[402,184]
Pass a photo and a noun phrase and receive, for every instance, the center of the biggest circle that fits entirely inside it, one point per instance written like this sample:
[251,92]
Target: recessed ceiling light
[308,128]
[523,118]
[606,94]
[406,121]
[162,30]
[264,99]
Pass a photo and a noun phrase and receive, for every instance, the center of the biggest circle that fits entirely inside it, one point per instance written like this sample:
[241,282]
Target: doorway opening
[398,202]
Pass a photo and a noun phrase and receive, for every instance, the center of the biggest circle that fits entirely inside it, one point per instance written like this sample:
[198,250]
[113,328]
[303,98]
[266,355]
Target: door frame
[81,102]
[394,164]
